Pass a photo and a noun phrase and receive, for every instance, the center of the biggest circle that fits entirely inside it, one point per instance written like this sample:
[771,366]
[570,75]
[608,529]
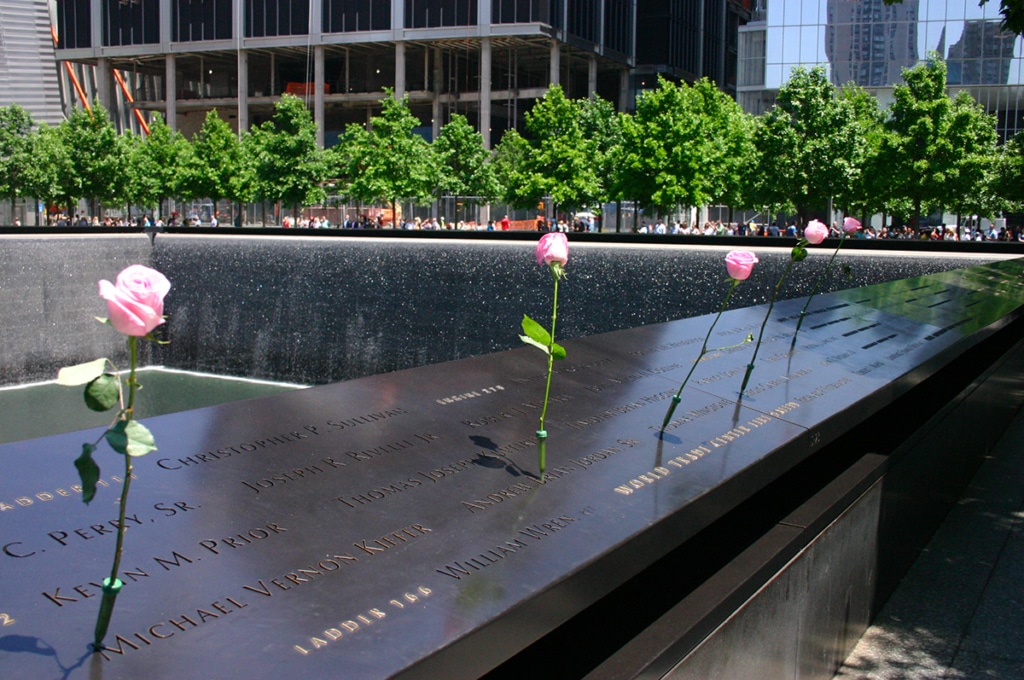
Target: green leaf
[102,393]
[847,271]
[557,351]
[537,332]
[81,374]
[799,253]
[530,341]
[88,472]
[131,437]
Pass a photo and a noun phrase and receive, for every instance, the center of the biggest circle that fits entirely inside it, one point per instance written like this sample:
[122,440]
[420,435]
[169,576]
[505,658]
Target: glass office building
[486,59]
[489,60]
[869,43]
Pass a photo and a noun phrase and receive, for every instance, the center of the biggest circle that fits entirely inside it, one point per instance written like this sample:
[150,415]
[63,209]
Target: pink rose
[553,247]
[850,225]
[815,232]
[740,263]
[136,301]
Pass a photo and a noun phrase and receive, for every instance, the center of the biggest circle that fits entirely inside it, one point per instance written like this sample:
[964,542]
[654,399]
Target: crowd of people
[584,222]
[792,230]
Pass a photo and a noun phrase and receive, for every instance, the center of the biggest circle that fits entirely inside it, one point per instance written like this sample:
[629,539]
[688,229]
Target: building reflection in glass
[869,43]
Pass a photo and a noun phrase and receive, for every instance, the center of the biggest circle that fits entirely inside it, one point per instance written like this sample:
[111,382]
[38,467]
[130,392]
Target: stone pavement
[959,612]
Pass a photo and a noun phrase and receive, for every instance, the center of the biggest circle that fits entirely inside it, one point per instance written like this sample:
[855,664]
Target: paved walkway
[959,613]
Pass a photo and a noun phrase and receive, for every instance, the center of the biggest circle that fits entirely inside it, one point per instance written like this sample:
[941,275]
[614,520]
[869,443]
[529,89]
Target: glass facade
[131,23]
[349,16]
[198,20]
[437,13]
[74,20]
[436,51]
[869,43]
[265,18]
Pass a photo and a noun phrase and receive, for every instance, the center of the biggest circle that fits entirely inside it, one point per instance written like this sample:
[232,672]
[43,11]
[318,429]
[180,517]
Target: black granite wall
[49,297]
[318,311]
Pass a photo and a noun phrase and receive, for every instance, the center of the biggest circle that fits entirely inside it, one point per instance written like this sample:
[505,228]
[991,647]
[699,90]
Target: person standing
[506,224]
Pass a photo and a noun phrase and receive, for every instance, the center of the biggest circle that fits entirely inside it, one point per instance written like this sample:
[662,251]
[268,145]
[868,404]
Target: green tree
[389,162]
[561,160]
[920,151]
[342,159]
[155,164]
[808,147]
[600,122]
[729,146]
[98,156]
[289,162]
[867,192]
[970,181]
[683,146]
[15,152]
[52,175]
[214,163]
[511,156]
[1009,179]
[465,164]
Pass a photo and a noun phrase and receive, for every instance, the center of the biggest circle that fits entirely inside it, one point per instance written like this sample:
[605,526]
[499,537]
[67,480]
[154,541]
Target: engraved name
[293,475]
[171,627]
[237,449]
[615,411]
[647,372]
[460,569]
[823,390]
[562,368]
[781,380]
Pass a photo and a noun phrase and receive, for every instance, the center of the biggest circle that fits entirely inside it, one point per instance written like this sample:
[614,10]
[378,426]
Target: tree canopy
[685,145]
[288,161]
[389,162]
[215,163]
[15,151]
[466,164]
[808,146]
[562,159]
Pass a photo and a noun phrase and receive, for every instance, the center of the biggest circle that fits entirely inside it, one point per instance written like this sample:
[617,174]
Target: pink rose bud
[740,263]
[136,301]
[815,232]
[850,225]
[553,247]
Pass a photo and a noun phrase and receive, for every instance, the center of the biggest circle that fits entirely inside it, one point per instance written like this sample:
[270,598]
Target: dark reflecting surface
[371,524]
